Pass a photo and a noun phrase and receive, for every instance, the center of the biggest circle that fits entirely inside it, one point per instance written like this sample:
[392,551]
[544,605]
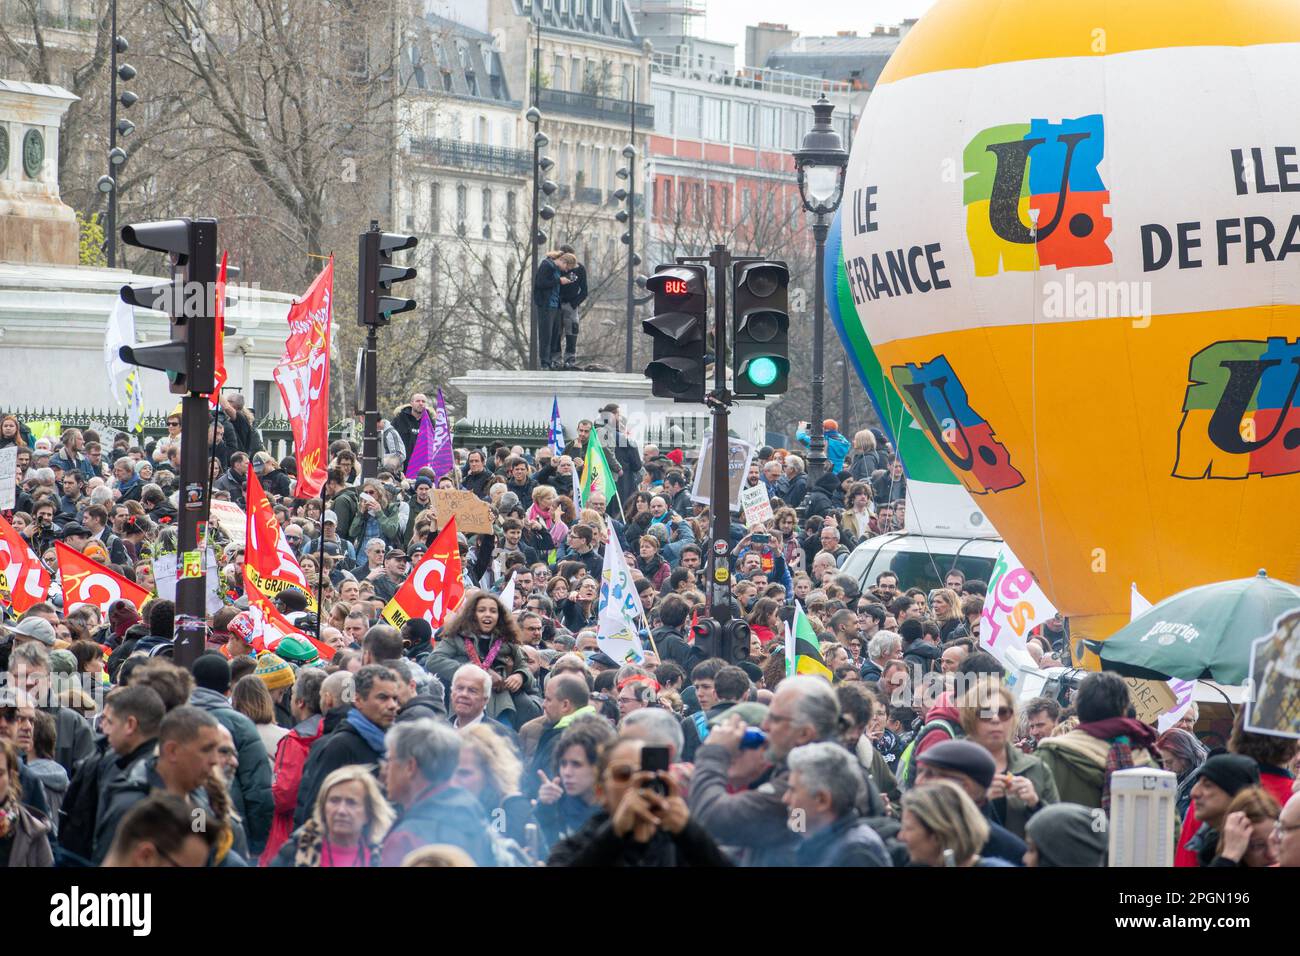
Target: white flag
[620,606]
[1014,606]
[508,595]
[120,331]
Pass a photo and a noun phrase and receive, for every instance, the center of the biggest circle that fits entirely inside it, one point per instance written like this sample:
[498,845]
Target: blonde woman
[546,512]
[349,821]
[1022,783]
[946,607]
[943,827]
[488,767]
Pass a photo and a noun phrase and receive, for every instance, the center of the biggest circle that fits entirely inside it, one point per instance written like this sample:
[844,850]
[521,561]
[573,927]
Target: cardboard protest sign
[1151,698]
[472,514]
[739,454]
[757,505]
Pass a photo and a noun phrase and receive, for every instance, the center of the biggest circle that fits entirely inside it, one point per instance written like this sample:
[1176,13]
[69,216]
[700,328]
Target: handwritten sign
[1014,606]
[167,570]
[757,505]
[472,514]
[1151,698]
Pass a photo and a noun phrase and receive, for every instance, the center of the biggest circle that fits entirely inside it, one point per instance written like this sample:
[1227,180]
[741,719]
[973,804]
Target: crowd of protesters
[507,737]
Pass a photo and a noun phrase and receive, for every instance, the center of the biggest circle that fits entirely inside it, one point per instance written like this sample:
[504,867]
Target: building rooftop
[454,60]
[856,60]
[549,15]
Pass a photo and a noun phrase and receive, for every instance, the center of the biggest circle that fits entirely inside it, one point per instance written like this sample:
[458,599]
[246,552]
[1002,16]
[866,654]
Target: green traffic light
[762,372]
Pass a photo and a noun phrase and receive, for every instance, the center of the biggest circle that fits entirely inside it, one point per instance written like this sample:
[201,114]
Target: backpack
[906,772]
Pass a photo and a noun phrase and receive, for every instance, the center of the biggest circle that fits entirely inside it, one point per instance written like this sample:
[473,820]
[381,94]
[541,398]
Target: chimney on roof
[846,33]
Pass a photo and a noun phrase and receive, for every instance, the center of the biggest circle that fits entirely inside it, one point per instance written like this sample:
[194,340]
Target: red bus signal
[676,287]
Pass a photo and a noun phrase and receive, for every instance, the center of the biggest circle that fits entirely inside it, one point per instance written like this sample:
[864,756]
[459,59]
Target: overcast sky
[727,19]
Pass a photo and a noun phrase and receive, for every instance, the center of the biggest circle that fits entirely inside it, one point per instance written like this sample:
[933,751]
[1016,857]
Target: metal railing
[493,159]
[747,77]
[596,107]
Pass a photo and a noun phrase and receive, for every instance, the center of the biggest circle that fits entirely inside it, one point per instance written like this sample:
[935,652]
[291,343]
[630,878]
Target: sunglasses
[1003,714]
[173,424]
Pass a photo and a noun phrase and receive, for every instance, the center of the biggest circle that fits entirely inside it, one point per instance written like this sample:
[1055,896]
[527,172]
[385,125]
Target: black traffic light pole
[376,275]
[189,358]
[719,400]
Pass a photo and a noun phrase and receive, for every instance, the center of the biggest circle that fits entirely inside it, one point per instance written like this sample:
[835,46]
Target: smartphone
[760,538]
[655,760]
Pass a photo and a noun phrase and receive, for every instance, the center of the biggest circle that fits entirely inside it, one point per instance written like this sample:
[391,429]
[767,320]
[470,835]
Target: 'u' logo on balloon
[1240,416]
[985,464]
[1052,169]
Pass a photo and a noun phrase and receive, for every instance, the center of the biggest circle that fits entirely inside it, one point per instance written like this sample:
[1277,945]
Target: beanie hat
[274,671]
[121,615]
[96,552]
[964,757]
[676,457]
[1230,772]
[212,671]
[62,662]
[1065,835]
[296,650]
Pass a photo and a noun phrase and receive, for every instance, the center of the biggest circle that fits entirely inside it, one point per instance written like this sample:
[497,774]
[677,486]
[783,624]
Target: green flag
[596,474]
[802,654]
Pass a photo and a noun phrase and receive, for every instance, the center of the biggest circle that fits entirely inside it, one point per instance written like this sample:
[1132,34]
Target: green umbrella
[1201,633]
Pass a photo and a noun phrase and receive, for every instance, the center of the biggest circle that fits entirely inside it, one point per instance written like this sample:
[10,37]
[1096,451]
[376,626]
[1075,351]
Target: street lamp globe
[821,160]
[534,115]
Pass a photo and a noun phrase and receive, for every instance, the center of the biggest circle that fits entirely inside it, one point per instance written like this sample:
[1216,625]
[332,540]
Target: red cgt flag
[26,579]
[435,588]
[304,379]
[89,582]
[272,627]
[219,352]
[269,562]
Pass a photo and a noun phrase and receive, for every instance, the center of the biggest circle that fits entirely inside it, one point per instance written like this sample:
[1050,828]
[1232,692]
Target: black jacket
[922,655]
[596,844]
[672,646]
[408,426]
[343,748]
[251,792]
[575,293]
[478,483]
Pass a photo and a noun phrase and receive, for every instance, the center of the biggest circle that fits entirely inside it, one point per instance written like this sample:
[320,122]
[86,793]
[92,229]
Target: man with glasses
[293,536]
[756,821]
[1286,833]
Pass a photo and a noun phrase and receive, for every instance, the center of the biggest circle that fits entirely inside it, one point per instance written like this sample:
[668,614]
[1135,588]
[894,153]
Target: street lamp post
[534,116]
[821,161]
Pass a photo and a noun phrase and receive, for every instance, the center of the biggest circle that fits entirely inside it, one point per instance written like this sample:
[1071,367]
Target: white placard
[8,477]
[164,578]
[757,505]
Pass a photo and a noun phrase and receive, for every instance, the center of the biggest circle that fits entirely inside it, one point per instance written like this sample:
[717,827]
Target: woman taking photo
[1022,783]
[943,827]
[349,821]
[635,825]
[485,633]
[579,611]
[377,517]
[568,799]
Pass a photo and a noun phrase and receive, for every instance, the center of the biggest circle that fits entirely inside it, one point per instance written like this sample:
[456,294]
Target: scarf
[1123,733]
[370,732]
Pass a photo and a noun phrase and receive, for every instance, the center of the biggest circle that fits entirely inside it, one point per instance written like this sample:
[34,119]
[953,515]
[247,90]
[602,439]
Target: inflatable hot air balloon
[1071,242]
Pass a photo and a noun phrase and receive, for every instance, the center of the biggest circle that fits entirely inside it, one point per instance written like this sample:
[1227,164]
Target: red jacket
[290,758]
[1277,784]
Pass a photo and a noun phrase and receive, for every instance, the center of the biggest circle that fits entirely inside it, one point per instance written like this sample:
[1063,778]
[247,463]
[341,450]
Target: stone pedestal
[35,225]
[519,403]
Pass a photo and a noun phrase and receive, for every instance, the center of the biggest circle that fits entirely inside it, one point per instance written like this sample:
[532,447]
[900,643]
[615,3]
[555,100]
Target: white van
[920,560]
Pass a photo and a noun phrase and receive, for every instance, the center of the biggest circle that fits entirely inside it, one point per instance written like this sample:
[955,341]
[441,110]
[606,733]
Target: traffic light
[760,327]
[678,326]
[729,641]
[188,298]
[376,275]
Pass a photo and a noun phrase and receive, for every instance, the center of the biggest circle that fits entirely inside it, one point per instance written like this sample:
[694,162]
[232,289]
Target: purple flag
[442,459]
[420,455]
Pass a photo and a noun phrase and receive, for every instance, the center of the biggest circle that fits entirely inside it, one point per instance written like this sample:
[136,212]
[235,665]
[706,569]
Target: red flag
[219,353]
[272,627]
[269,562]
[304,379]
[26,579]
[88,582]
[695,619]
[435,588]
